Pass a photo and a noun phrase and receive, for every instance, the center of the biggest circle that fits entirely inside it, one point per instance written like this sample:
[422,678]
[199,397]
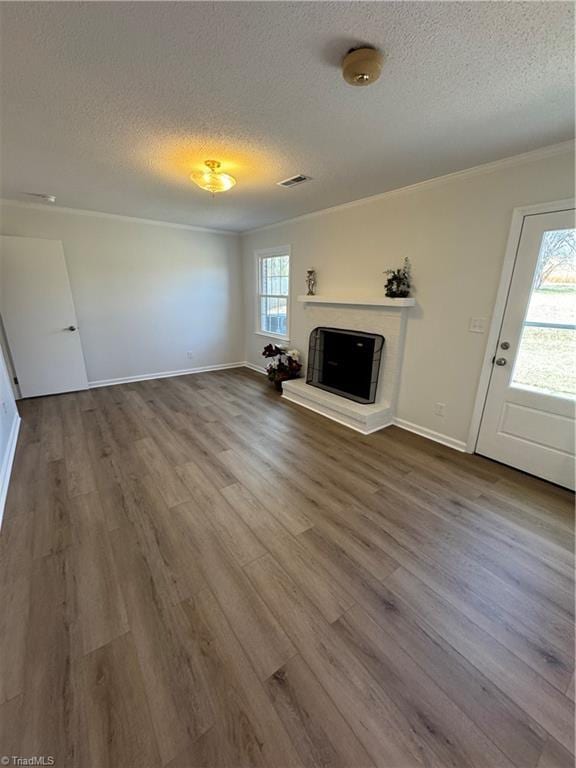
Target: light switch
[477,325]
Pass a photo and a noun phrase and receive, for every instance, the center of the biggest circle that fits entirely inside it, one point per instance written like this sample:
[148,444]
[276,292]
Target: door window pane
[546,359]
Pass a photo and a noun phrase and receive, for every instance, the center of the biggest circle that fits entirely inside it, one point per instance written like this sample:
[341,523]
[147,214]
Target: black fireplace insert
[345,362]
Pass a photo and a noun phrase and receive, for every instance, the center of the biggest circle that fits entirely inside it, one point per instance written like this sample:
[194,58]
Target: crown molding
[102,215]
[477,170]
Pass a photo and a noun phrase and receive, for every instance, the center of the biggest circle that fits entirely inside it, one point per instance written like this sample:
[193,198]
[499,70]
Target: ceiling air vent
[293,181]
[41,196]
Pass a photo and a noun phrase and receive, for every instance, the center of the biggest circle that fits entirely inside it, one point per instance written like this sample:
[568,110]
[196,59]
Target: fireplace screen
[344,362]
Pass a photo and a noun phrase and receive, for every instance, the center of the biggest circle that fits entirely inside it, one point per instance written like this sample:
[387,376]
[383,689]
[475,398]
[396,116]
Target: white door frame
[518,216]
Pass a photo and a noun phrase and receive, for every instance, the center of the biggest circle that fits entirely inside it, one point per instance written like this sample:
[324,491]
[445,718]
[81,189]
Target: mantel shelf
[377,302]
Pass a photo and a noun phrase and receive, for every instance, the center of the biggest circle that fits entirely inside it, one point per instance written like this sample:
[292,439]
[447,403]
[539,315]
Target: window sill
[272,336]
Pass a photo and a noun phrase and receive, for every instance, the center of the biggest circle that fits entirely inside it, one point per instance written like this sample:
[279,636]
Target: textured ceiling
[110,106]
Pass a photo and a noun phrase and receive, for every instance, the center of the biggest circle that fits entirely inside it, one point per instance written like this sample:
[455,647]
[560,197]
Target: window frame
[259,256]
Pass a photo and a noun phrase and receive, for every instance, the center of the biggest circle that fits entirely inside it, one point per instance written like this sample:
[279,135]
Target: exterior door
[528,419]
[39,317]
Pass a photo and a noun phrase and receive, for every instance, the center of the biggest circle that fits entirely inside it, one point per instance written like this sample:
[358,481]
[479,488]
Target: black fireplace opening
[345,362]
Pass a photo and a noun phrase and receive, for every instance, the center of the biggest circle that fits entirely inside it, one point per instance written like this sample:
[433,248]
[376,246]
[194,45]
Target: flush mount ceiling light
[213,180]
[362,66]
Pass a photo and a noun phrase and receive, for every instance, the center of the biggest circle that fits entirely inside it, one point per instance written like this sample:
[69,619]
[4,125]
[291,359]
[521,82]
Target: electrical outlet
[190,355]
[440,409]
[477,325]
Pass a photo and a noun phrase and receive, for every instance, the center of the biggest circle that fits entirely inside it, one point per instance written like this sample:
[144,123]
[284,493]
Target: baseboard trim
[438,437]
[257,368]
[6,470]
[163,374]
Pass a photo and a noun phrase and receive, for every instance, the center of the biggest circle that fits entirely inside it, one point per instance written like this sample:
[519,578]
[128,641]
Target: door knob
[71,328]
[501,361]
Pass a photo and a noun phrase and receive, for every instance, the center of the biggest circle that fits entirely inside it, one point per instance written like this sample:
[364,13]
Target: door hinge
[16,380]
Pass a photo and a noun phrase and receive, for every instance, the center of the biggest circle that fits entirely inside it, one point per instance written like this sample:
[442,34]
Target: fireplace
[345,362]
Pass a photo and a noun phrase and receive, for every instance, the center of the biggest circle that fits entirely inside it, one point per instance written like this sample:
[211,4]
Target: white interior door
[39,317]
[528,419]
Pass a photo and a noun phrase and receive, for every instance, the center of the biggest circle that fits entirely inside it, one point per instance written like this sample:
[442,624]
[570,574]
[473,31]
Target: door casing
[512,245]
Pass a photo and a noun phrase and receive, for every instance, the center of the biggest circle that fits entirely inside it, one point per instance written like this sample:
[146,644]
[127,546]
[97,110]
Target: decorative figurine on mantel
[398,283]
[311,282]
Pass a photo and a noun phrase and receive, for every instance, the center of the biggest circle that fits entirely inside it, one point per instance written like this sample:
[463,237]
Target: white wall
[146,294]
[454,231]
[9,421]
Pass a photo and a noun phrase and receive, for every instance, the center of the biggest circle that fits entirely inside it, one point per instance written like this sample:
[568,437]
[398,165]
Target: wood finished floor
[196,574]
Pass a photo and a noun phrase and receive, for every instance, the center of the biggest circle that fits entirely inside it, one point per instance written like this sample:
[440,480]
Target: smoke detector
[362,66]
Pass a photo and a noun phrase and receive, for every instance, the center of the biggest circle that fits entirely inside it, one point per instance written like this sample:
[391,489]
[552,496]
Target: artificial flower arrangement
[284,364]
[398,284]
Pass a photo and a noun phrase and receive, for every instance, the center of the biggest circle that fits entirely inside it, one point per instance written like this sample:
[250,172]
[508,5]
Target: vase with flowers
[284,364]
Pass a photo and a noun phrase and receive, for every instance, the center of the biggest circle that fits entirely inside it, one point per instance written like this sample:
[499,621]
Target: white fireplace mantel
[383,301]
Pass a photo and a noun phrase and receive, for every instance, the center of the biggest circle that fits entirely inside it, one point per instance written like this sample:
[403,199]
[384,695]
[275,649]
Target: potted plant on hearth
[284,364]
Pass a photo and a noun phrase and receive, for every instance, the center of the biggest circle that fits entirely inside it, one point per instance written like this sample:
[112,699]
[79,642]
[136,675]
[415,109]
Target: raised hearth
[362,418]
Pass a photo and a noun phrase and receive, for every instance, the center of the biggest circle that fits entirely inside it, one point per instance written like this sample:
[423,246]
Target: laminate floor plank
[124,423]
[52,720]
[263,639]
[362,540]
[330,599]
[165,540]
[195,573]
[263,457]
[52,509]
[319,732]
[544,526]
[439,722]
[15,597]
[121,731]
[30,426]
[17,542]
[476,517]
[234,533]
[248,730]
[505,723]
[177,693]
[79,470]
[543,703]
[533,578]
[164,474]
[99,601]
[570,688]
[51,429]
[377,723]
[524,624]
[284,504]
[555,756]
[190,443]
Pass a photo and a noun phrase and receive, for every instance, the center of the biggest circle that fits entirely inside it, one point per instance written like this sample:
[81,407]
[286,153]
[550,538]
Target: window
[273,291]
